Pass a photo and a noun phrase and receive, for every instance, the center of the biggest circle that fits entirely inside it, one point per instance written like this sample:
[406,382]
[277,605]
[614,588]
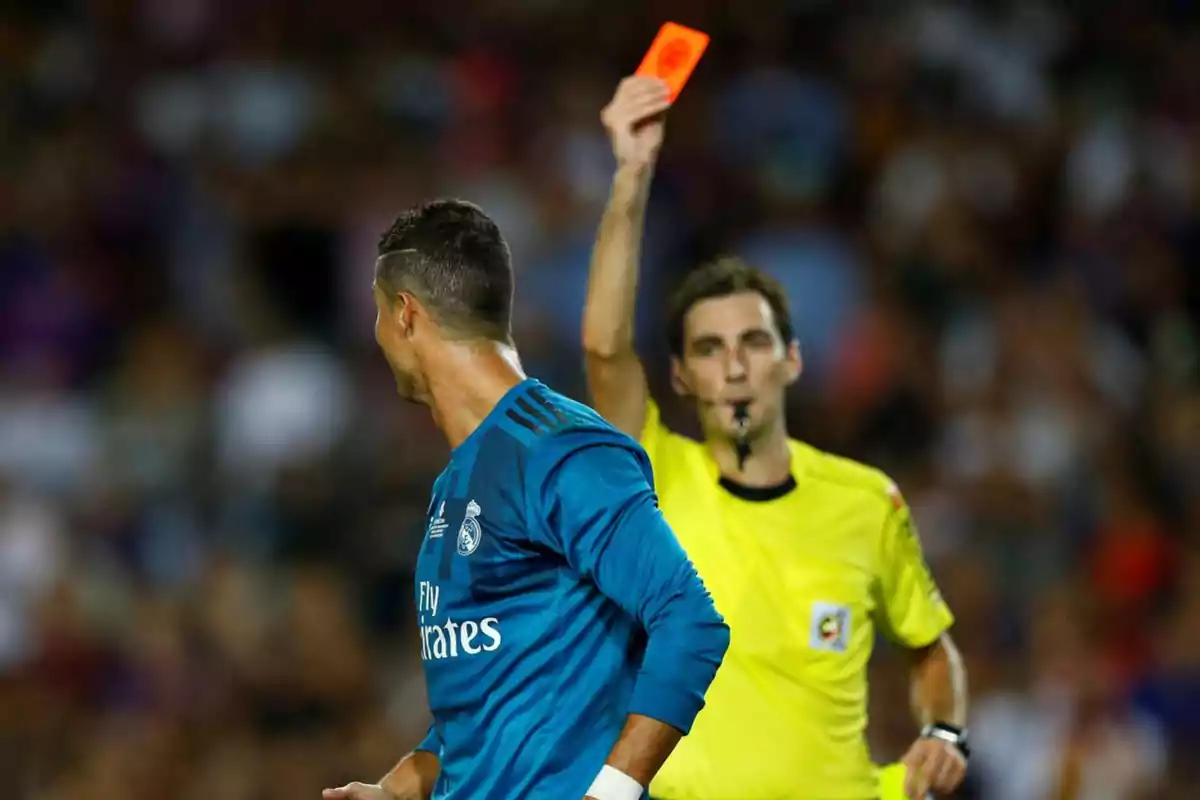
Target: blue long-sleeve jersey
[553,600]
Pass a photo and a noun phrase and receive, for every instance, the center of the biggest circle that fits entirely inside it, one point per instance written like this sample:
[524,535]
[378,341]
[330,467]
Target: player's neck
[769,462]
[465,381]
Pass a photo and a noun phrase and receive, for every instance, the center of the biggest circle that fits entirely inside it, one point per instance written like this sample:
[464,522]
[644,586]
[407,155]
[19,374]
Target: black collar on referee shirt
[758,494]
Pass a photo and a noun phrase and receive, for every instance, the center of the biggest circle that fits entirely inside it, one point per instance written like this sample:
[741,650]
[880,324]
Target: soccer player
[566,639]
[806,554]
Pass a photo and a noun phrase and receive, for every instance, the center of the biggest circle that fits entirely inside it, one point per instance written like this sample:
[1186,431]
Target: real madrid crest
[471,532]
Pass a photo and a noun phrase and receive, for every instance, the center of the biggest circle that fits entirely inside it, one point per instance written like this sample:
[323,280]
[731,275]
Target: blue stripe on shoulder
[520,427]
[538,412]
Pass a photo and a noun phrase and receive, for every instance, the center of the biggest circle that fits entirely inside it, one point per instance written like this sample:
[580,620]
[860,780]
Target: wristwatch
[948,733]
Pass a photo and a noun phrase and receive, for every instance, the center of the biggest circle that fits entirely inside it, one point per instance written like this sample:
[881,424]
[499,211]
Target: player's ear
[404,311]
[679,378]
[793,362]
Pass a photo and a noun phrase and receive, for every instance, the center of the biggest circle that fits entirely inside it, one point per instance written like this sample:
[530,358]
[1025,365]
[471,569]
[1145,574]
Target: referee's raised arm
[616,380]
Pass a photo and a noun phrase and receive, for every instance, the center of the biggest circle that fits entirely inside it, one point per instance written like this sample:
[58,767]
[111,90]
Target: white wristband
[612,784]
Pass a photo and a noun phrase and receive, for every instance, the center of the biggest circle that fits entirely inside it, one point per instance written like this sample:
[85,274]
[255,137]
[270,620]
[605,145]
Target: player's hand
[634,120]
[358,791]
[933,766]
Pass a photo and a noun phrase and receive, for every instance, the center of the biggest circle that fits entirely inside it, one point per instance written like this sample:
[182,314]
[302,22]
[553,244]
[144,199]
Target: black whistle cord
[743,452]
[741,418]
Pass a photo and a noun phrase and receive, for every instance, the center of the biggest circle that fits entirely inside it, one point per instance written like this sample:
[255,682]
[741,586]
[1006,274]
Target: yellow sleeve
[891,782]
[654,434]
[911,610]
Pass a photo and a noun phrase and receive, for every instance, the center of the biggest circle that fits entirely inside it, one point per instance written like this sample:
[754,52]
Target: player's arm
[602,515]
[413,778]
[914,615]
[615,377]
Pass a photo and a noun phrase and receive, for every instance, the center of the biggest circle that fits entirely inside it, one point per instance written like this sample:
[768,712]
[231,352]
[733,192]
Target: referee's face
[733,354]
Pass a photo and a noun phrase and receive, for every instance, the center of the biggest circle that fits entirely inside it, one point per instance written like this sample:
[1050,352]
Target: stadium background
[986,216]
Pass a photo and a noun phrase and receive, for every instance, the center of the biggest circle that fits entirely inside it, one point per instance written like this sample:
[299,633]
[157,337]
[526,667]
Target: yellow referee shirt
[803,580]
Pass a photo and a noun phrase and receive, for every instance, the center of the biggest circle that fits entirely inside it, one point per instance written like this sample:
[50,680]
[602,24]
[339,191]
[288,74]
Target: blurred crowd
[987,216]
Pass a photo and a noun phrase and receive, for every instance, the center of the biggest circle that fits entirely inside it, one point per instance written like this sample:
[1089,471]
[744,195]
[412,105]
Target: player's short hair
[725,276]
[451,256]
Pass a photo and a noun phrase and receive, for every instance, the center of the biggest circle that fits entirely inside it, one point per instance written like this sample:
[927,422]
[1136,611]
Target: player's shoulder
[550,425]
[840,475]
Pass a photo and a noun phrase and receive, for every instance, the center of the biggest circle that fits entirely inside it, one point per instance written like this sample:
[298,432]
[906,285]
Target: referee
[806,554]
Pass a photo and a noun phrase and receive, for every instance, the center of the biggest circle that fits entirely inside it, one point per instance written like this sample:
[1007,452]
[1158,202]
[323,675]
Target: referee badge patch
[830,627]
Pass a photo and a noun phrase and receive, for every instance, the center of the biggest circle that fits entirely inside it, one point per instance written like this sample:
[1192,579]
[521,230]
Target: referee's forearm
[608,313]
[939,684]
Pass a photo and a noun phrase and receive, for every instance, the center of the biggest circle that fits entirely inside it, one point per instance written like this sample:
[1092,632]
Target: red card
[673,55]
